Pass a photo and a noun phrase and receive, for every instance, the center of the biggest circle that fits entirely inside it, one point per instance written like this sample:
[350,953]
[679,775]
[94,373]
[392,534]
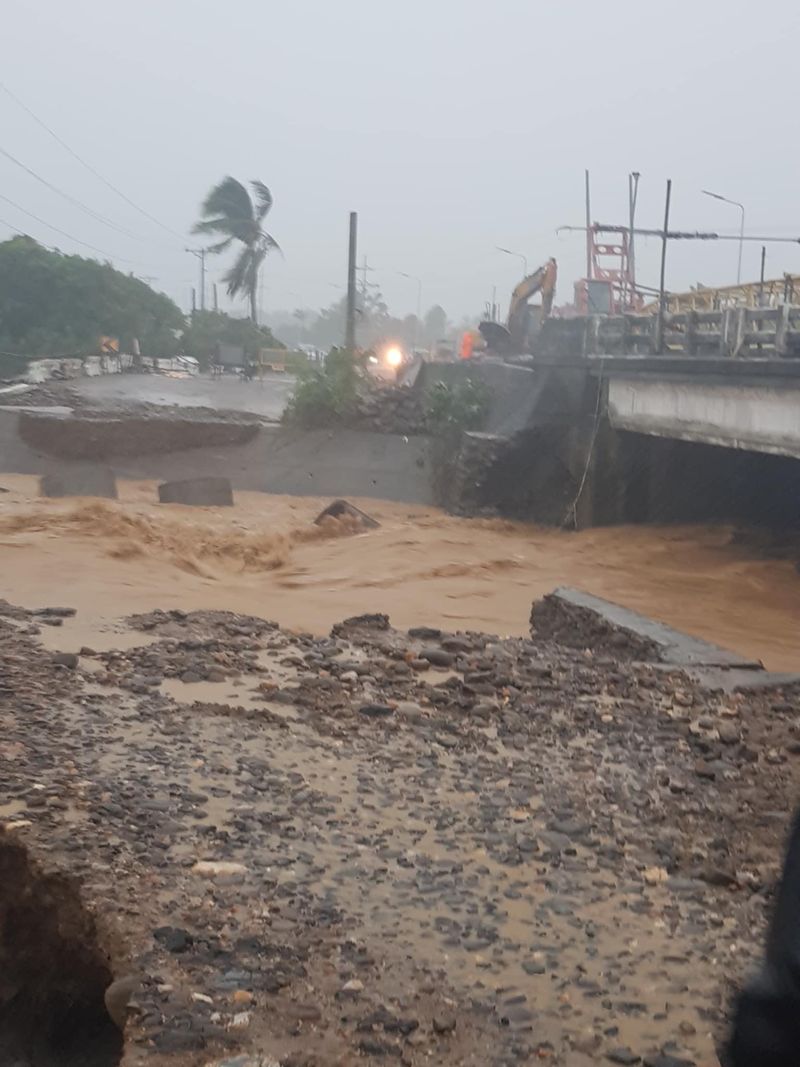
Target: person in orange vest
[467,344]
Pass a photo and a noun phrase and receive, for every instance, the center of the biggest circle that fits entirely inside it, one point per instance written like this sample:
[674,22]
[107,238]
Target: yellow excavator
[524,321]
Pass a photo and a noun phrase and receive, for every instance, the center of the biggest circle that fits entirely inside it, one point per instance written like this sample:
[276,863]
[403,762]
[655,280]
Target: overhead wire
[63,233]
[88,166]
[68,196]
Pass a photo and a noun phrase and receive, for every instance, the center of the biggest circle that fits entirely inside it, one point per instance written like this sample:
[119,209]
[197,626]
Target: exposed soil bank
[53,973]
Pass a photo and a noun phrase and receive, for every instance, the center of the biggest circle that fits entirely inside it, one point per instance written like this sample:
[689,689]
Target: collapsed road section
[420,845]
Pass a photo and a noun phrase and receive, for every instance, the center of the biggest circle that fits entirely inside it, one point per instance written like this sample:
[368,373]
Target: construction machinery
[524,321]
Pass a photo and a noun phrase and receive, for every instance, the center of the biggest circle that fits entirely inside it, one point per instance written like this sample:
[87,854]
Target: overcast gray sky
[452,126]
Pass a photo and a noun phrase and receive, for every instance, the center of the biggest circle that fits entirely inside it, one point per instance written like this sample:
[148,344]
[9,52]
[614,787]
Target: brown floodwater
[421,566]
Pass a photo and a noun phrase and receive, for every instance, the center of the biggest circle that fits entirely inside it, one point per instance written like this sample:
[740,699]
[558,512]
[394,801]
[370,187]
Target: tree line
[374,323]
[52,304]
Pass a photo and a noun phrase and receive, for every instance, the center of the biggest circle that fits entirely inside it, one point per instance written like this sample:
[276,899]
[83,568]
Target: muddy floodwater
[265,557]
[371,842]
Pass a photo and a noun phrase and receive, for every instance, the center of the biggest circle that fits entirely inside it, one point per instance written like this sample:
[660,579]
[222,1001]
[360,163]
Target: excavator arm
[515,339]
[541,281]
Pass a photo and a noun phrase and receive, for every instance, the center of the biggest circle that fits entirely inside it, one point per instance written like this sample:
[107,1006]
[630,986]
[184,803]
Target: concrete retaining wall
[522,398]
[102,437]
[574,617]
[44,370]
[273,460]
[347,463]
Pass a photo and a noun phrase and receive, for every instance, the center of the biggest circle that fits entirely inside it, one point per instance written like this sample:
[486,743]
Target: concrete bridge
[728,377]
[751,404]
[693,418]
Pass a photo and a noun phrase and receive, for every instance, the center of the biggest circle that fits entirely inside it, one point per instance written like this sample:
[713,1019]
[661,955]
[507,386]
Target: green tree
[435,324]
[229,212]
[53,304]
[325,395]
[461,406]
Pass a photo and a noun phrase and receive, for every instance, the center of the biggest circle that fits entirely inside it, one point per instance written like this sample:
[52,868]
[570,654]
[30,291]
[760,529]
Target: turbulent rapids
[266,557]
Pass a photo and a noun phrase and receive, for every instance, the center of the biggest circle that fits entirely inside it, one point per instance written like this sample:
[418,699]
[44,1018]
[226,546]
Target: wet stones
[444,1022]
[502,844]
[623,1056]
[65,659]
[304,1012]
[368,623]
[437,657]
[174,939]
[425,633]
[118,998]
[376,711]
[666,1059]
[729,733]
[220,869]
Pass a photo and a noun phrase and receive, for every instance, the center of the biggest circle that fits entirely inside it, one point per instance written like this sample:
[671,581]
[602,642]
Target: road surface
[267,398]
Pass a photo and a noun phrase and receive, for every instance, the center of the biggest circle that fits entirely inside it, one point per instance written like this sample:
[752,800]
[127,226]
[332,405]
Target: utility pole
[200,253]
[588,229]
[216,302]
[633,192]
[662,296]
[761,285]
[350,324]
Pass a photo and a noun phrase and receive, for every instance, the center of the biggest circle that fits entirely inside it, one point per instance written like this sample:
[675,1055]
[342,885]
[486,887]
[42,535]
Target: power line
[63,233]
[88,166]
[68,197]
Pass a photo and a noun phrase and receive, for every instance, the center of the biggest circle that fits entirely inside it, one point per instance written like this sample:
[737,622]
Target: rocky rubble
[460,470]
[396,409]
[406,846]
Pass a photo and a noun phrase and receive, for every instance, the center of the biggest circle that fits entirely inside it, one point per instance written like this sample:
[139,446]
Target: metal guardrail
[770,293]
[736,333]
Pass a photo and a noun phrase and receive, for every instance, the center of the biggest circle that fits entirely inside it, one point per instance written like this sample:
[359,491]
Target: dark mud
[53,972]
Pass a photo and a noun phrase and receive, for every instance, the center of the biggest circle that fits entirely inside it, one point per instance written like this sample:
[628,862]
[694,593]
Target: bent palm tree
[229,212]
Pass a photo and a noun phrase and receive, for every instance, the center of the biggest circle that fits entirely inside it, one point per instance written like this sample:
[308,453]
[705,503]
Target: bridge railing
[737,333]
